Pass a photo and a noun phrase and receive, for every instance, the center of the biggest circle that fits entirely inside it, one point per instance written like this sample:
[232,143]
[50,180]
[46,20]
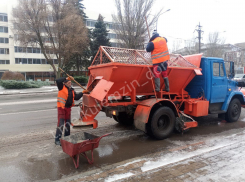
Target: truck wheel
[124,118]
[234,111]
[162,123]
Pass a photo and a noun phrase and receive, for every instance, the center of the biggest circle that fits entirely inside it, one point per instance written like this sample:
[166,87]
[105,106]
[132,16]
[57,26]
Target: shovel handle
[72,79]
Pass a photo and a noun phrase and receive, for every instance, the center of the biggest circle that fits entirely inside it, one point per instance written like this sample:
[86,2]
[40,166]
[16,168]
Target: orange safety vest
[160,52]
[62,97]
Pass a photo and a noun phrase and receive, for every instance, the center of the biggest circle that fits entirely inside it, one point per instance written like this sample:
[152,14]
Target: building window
[113,44]
[4,61]
[32,61]
[29,50]
[90,23]
[110,26]
[44,61]
[55,61]
[24,61]
[4,51]
[29,61]
[4,40]
[3,29]
[112,36]
[4,18]
[16,61]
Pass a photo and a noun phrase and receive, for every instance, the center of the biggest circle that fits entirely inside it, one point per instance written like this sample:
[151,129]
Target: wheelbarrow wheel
[124,118]
[162,123]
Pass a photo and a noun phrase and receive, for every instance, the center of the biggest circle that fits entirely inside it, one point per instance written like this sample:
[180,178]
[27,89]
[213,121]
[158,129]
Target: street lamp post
[160,15]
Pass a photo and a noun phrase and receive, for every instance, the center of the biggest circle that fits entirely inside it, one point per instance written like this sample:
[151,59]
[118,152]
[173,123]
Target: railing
[133,56]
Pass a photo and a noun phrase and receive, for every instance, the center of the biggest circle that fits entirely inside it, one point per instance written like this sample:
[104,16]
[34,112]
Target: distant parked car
[239,77]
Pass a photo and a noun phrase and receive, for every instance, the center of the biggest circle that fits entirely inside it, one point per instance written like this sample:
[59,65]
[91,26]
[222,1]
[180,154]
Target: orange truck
[121,85]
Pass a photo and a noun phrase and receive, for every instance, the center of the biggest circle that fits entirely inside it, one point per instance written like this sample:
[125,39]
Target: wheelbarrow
[80,143]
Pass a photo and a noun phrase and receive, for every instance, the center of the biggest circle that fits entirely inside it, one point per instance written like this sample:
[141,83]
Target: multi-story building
[13,57]
[90,23]
[30,61]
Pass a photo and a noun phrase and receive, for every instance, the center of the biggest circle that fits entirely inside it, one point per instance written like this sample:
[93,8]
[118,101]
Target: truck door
[219,82]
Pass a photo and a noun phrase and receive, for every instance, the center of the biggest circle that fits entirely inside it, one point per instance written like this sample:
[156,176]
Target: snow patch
[118,177]
[138,160]
[10,156]
[182,155]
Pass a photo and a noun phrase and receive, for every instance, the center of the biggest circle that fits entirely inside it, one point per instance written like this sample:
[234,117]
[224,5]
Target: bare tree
[191,47]
[215,45]
[130,25]
[55,26]
[175,47]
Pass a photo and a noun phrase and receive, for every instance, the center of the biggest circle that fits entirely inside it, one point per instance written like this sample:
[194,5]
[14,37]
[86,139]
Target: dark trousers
[64,120]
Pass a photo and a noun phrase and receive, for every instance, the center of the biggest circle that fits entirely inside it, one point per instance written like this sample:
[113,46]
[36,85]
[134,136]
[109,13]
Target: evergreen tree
[81,8]
[99,36]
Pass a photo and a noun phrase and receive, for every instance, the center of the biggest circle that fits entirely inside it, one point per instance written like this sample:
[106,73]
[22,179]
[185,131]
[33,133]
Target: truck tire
[234,111]
[162,123]
[124,118]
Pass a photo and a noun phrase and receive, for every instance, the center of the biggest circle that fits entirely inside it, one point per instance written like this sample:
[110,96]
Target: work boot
[166,82]
[57,143]
[67,127]
[157,84]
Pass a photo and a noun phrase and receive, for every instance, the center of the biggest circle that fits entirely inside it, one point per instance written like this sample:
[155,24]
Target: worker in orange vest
[65,101]
[160,56]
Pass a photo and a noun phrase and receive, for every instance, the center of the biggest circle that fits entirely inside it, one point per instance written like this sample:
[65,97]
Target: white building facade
[30,61]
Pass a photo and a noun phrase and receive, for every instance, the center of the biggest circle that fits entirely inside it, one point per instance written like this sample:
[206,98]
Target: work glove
[70,78]
[85,92]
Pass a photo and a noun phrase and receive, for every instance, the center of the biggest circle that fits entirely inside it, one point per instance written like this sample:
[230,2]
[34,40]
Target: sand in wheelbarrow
[79,137]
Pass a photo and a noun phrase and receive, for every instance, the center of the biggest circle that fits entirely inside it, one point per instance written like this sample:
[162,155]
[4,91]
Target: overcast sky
[178,24]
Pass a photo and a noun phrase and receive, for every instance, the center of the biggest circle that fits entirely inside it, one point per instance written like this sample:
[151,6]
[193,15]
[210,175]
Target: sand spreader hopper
[121,85]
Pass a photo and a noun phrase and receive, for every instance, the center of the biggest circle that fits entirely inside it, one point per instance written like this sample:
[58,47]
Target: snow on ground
[28,102]
[118,177]
[138,160]
[211,144]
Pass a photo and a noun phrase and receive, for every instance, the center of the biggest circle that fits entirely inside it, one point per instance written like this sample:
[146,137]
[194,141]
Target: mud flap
[141,116]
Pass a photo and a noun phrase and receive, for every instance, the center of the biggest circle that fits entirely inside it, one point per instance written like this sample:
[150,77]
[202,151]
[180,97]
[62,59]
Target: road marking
[27,112]
[28,102]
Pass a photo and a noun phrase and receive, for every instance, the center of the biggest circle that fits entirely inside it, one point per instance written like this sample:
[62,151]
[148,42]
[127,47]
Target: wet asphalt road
[28,153]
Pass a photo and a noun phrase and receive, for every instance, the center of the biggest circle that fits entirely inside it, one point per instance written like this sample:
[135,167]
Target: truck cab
[218,88]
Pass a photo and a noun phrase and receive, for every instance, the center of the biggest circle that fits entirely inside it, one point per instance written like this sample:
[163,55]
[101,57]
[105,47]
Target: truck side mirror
[232,70]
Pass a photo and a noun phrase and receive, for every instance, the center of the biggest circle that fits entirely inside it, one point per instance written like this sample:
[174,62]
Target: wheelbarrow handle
[89,143]
[84,144]
[104,136]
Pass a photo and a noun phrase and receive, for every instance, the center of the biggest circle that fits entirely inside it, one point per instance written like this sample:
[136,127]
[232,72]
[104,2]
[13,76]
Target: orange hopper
[117,74]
